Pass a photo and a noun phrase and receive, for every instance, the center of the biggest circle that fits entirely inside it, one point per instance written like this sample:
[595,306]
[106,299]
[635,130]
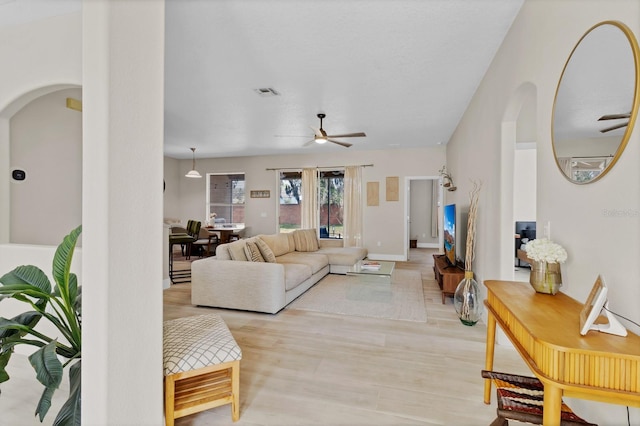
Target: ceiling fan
[321,136]
[614,117]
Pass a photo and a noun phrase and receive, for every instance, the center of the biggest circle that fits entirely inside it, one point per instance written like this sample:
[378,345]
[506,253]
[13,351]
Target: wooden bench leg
[235,390]
[169,400]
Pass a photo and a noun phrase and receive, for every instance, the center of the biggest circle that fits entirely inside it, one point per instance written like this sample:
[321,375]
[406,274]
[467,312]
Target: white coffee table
[381,275]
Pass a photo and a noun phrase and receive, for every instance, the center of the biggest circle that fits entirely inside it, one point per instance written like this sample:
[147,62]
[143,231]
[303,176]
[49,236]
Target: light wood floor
[306,368]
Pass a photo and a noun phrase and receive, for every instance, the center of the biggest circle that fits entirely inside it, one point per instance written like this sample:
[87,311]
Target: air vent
[266,92]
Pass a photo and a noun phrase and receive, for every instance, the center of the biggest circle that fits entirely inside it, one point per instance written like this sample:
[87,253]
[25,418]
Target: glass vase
[467,300]
[545,277]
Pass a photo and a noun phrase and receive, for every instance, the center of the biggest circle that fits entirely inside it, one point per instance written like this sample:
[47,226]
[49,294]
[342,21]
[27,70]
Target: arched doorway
[519,132]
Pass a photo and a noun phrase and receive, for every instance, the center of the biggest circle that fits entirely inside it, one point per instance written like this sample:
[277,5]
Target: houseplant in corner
[61,305]
[466,298]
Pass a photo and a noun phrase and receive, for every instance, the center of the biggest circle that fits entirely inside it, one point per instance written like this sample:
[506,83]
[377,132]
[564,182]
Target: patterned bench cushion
[196,342]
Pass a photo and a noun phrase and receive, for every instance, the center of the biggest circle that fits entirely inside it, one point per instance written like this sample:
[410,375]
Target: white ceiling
[402,71]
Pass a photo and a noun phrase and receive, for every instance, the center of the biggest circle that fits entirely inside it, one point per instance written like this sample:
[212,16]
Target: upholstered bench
[520,398]
[201,366]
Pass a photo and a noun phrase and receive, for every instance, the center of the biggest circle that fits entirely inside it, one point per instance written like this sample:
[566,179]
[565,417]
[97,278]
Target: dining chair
[187,239]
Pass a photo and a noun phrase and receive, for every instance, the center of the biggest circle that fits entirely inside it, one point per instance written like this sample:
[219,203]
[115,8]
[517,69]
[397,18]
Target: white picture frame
[597,302]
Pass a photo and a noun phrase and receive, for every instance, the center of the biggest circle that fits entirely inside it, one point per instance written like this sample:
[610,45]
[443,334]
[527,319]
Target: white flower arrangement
[545,250]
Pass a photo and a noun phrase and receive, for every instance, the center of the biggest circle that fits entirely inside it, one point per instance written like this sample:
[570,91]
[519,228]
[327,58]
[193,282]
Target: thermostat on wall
[18,175]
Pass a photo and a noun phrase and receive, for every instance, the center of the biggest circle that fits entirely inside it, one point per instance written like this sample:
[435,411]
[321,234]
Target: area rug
[403,299]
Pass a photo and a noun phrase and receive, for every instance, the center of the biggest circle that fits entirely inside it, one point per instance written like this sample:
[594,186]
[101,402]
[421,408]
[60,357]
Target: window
[330,193]
[588,168]
[290,197]
[225,197]
[331,203]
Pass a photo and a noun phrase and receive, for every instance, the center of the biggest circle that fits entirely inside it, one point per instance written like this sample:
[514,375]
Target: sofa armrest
[252,286]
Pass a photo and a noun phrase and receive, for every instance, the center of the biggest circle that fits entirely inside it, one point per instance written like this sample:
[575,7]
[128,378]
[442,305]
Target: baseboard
[166,283]
[428,245]
[388,257]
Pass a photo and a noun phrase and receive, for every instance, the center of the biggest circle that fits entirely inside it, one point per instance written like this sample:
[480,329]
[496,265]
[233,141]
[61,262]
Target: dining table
[225,231]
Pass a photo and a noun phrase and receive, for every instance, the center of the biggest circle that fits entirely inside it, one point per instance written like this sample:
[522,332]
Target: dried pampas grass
[471,225]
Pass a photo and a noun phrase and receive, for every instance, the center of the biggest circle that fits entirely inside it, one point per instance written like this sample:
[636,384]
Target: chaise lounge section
[267,272]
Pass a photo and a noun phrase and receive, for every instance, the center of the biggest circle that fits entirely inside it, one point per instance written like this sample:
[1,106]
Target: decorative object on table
[545,270]
[212,219]
[61,305]
[467,296]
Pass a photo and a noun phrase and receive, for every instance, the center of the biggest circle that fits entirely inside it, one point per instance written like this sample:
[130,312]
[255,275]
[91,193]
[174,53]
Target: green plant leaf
[62,263]
[69,414]
[4,360]
[45,402]
[47,365]
[27,274]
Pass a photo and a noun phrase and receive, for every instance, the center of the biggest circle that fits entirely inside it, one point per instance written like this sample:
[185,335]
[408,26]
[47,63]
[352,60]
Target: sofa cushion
[252,252]
[236,250]
[305,239]
[295,274]
[344,256]
[315,261]
[265,250]
[278,243]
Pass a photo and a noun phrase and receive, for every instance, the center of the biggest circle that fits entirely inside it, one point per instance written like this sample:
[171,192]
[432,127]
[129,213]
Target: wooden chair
[186,239]
[206,243]
[520,398]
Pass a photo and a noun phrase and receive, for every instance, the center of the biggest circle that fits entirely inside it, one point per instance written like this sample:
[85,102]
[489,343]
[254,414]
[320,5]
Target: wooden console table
[545,330]
[447,276]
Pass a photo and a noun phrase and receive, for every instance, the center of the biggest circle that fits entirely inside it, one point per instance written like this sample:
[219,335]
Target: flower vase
[545,277]
[467,300]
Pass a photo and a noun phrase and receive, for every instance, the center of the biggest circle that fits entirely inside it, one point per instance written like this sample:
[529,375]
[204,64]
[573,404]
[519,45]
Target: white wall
[534,52]
[47,205]
[384,223]
[44,56]
[524,185]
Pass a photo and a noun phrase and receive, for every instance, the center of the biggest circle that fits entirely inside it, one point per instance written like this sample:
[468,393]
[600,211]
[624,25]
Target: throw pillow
[252,252]
[306,240]
[236,251]
[267,253]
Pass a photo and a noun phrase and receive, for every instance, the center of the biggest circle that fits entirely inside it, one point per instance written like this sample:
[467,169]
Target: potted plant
[61,305]
[546,256]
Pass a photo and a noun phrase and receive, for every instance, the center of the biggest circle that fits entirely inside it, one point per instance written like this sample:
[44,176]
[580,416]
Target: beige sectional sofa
[267,272]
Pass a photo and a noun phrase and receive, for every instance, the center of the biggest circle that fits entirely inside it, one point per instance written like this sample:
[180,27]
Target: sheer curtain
[353,206]
[309,199]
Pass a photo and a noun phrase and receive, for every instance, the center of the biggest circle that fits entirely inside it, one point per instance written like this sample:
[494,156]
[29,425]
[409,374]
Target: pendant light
[193,173]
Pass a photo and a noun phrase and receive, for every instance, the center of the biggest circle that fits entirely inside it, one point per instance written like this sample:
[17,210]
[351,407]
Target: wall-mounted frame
[263,193]
[393,185]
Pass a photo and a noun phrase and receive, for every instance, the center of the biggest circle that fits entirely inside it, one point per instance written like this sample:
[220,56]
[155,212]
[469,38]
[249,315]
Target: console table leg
[488,360]
[552,404]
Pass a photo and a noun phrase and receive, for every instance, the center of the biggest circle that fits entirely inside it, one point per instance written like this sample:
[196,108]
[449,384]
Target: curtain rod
[319,167]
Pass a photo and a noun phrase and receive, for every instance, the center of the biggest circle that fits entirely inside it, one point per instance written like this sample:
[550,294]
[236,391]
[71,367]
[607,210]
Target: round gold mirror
[596,102]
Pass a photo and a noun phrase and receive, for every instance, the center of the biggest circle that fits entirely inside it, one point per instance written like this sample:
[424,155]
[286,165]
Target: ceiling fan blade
[614,116]
[345,144]
[617,126]
[349,135]
[311,142]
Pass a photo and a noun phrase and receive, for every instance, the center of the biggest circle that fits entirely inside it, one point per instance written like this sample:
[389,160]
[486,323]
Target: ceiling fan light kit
[193,173]
[321,136]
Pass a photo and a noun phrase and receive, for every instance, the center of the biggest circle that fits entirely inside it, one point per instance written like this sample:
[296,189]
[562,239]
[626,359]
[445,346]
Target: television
[450,233]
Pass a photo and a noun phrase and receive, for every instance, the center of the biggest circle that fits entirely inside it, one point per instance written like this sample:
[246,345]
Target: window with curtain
[290,213]
[226,196]
[331,203]
[326,209]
